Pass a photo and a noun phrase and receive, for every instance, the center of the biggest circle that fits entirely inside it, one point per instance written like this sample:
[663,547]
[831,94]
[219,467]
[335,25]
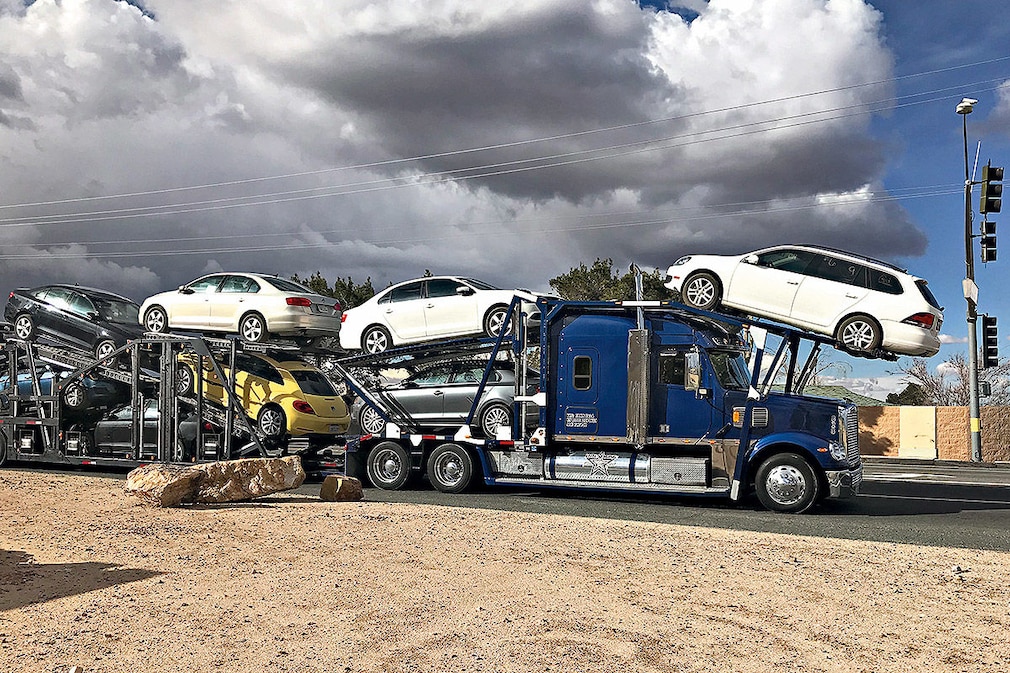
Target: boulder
[168,485]
[340,489]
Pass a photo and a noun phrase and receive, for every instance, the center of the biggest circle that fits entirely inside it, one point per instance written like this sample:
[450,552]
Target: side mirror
[93,316]
[185,290]
[464,291]
[692,371]
[751,259]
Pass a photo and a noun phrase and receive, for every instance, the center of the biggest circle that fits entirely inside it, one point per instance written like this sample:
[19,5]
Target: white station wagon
[865,304]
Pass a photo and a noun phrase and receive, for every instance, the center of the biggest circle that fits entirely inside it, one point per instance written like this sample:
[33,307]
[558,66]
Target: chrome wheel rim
[858,335]
[387,466]
[270,422]
[74,395]
[448,469]
[700,292]
[183,380]
[786,485]
[105,349]
[371,421]
[252,329]
[155,320]
[375,341]
[494,418]
[495,322]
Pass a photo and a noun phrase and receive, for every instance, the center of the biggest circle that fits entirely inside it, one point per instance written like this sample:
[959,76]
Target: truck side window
[582,376]
[672,369]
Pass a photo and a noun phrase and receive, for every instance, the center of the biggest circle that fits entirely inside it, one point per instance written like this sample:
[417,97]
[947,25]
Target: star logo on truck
[600,462]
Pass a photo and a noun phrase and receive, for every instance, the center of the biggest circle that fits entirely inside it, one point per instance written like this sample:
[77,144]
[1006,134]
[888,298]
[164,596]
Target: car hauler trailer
[634,397]
[42,419]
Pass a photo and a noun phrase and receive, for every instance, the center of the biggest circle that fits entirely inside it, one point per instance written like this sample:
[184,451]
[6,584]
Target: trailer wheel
[450,468]
[786,482]
[388,466]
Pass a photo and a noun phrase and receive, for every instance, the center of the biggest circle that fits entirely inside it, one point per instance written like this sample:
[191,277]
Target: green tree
[601,282]
[912,396]
[344,290]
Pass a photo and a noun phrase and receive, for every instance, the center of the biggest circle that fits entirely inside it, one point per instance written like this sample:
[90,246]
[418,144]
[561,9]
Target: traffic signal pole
[964,109]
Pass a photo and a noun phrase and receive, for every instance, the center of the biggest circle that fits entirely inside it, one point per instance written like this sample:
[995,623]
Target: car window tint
[885,282]
[58,297]
[406,292]
[124,414]
[114,310]
[79,304]
[206,285]
[433,377]
[285,285]
[239,284]
[927,294]
[839,270]
[480,285]
[38,293]
[442,287]
[313,383]
[469,375]
[795,261]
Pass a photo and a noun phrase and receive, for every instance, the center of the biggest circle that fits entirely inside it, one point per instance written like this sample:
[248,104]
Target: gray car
[442,395]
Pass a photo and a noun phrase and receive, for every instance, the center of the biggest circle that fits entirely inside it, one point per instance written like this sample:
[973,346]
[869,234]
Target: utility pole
[964,108]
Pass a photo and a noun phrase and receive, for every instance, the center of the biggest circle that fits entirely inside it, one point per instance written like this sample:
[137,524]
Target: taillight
[336,307]
[343,317]
[923,320]
[303,407]
[12,296]
[298,301]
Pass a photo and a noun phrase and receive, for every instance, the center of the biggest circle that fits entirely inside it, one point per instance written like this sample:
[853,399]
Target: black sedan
[113,435]
[93,320]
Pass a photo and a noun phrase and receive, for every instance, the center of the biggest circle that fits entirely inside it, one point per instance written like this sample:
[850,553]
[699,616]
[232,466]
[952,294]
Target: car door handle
[792,282]
[389,310]
[438,392]
[852,296]
[429,306]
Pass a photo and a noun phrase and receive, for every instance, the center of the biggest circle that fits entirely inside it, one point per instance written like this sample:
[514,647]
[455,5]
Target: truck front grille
[849,435]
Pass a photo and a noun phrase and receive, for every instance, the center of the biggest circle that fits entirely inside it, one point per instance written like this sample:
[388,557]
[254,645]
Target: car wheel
[156,320]
[376,339]
[388,466]
[272,422]
[370,421]
[104,348]
[24,327]
[184,378]
[702,291]
[495,320]
[3,450]
[450,468]
[493,416]
[253,328]
[74,395]
[785,482]
[858,333]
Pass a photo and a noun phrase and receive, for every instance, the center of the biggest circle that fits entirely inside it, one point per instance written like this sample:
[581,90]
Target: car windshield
[481,285]
[313,383]
[117,311]
[730,369]
[288,286]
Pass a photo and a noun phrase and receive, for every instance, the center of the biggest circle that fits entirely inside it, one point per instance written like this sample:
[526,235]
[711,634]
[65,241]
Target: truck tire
[388,466]
[785,482]
[450,468]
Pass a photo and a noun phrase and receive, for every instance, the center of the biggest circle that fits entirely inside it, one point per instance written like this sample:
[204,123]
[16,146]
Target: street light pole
[964,109]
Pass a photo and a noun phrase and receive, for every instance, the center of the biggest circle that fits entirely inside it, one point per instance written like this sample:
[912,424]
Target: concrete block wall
[881,433]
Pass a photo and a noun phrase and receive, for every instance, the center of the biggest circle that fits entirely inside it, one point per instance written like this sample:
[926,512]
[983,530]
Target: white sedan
[254,305]
[865,304]
[426,308]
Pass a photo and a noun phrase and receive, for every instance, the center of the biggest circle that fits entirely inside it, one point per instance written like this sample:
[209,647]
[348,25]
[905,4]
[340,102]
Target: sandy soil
[89,577]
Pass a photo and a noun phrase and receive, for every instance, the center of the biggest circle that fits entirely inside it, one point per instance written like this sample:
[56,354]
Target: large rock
[340,489]
[225,481]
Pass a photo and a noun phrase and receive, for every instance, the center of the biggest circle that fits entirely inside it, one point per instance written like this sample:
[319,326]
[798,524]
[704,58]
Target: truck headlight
[837,451]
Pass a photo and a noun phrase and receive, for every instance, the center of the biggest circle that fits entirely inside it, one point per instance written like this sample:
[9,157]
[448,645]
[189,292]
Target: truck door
[675,411]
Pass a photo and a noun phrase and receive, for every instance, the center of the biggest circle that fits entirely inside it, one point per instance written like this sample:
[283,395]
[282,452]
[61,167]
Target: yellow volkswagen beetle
[282,394]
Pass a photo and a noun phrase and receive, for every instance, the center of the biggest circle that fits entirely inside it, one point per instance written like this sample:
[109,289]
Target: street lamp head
[965,106]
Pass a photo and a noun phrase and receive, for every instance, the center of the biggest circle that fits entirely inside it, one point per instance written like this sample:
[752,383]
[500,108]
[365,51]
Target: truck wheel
[450,468]
[786,482]
[388,466]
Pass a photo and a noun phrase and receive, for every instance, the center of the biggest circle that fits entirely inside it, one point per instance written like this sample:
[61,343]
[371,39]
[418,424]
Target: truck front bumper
[844,483]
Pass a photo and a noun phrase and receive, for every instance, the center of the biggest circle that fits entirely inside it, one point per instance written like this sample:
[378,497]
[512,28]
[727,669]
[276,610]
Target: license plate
[334,428]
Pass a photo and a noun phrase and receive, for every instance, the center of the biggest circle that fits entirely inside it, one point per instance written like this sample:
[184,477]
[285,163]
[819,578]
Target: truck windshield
[730,369]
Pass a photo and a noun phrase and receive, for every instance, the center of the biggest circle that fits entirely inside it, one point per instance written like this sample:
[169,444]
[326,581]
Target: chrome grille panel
[849,435]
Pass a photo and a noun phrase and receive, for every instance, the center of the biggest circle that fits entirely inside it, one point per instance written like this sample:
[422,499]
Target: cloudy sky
[145,143]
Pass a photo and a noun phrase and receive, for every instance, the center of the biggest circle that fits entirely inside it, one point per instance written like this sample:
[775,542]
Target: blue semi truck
[633,397]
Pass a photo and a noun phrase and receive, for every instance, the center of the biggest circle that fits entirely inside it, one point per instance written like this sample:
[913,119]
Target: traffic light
[992,189]
[990,345]
[988,241]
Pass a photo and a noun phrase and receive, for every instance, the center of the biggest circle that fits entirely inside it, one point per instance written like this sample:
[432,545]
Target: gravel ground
[91,578]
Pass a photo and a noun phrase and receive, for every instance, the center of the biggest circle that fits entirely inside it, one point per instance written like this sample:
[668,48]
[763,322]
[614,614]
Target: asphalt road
[951,506]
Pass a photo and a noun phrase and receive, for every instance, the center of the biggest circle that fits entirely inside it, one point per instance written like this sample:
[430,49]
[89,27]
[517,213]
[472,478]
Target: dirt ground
[90,578]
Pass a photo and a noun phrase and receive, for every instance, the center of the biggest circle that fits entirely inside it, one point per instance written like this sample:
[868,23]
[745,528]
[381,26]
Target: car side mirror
[92,316]
[751,259]
[185,290]
[464,291]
